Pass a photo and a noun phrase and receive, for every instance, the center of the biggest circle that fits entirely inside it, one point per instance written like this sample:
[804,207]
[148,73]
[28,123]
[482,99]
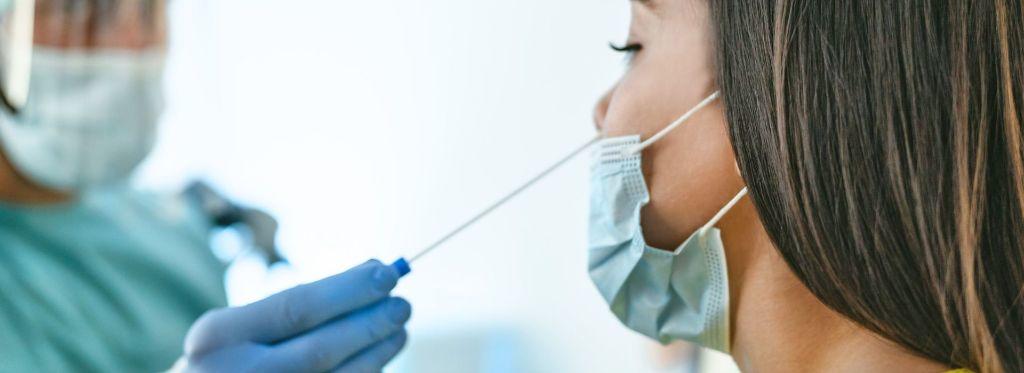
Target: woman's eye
[629,49]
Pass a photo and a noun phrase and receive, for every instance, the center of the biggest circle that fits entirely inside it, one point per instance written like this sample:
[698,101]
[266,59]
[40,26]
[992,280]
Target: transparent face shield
[16,28]
[79,26]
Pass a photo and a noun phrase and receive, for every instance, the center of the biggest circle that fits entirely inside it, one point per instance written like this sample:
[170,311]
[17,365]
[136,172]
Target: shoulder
[151,206]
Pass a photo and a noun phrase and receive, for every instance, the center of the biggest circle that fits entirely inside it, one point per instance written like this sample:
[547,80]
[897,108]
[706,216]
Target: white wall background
[370,128]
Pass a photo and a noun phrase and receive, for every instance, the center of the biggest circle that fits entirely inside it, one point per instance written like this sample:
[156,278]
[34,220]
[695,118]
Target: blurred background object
[371,128]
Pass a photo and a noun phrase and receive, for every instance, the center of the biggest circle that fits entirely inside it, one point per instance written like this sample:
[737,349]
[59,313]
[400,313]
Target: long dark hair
[883,143]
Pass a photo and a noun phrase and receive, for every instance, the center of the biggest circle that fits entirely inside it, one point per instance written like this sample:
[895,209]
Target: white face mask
[90,118]
[665,295]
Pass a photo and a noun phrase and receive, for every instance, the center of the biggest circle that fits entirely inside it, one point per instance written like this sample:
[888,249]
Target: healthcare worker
[98,277]
[843,190]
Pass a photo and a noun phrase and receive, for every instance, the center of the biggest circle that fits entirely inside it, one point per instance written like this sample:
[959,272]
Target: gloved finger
[296,310]
[376,357]
[246,357]
[333,343]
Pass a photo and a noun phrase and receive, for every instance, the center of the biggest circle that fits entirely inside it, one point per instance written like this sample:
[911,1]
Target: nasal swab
[402,265]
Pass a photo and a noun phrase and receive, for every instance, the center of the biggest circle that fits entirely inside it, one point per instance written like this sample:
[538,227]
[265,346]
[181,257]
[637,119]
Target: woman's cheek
[637,107]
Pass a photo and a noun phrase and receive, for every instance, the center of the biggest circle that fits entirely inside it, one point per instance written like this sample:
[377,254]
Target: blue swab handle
[402,266]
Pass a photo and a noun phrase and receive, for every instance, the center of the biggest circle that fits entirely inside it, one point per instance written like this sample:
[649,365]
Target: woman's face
[691,173]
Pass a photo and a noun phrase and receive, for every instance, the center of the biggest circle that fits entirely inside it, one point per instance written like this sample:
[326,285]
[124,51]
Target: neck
[779,326]
[16,189]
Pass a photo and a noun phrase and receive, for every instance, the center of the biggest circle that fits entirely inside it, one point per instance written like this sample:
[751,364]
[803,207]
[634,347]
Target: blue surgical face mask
[90,118]
[665,295]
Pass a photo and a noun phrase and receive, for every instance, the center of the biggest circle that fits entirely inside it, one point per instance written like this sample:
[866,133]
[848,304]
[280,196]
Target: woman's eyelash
[628,48]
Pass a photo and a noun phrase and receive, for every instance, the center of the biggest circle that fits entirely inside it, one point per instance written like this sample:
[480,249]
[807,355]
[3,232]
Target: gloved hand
[345,323]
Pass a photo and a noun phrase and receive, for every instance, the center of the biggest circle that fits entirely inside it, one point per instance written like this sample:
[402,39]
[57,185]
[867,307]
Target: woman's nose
[601,109]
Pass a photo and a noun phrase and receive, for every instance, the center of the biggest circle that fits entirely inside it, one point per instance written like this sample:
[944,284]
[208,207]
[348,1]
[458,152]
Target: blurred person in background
[870,158]
[99,277]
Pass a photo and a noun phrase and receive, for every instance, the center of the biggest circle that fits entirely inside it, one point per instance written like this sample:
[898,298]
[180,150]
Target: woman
[882,144]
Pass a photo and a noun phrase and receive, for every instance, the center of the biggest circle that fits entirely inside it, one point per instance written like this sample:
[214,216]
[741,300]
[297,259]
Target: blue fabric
[110,282]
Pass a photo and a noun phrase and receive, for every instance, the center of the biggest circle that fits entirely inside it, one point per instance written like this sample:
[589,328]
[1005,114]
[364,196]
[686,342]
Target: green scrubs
[109,283]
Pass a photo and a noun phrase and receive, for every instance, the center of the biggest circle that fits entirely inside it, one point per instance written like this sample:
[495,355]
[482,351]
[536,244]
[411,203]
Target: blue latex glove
[345,323]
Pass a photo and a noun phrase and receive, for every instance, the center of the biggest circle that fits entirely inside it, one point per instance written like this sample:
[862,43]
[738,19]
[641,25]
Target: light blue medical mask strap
[689,114]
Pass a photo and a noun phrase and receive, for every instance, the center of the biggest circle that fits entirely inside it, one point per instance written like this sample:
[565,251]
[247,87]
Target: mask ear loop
[644,145]
[633,150]
[725,210]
